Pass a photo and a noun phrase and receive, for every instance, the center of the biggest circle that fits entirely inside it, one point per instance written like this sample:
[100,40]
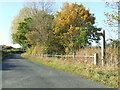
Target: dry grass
[111,54]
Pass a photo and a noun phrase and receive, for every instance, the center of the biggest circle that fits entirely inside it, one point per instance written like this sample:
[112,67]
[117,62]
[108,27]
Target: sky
[8,10]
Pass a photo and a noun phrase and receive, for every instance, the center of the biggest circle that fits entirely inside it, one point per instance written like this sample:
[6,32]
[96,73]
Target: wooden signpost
[103,48]
[102,34]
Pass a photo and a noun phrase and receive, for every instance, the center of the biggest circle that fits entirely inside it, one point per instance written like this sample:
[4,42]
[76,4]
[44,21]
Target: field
[111,54]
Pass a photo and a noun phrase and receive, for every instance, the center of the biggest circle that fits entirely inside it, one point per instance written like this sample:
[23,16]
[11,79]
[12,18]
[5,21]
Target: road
[18,72]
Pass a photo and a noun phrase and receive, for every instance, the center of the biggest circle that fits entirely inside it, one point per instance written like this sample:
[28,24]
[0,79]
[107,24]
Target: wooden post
[74,53]
[95,59]
[102,34]
[103,48]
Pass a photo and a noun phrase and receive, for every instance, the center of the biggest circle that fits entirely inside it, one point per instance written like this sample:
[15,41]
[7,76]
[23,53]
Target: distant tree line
[6,50]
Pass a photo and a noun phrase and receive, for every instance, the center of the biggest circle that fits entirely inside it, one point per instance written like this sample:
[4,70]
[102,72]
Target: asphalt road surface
[18,72]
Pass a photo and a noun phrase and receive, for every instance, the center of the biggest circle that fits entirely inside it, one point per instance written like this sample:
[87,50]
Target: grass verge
[106,75]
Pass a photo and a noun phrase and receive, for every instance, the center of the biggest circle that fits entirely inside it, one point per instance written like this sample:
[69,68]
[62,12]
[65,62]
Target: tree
[113,17]
[29,10]
[32,38]
[54,46]
[41,26]
[74,26]
[23,13]
[44,5]
[34,31]
[19,37]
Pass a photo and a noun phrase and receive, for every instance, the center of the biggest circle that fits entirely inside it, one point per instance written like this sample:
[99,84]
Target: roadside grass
[106,75]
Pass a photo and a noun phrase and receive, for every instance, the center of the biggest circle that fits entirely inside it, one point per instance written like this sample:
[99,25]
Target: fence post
[95,58]
[74,53]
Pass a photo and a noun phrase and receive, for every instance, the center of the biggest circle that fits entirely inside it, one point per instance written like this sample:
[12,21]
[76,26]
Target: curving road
[18,72]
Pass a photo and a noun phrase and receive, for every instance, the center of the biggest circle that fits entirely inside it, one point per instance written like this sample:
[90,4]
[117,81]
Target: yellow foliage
[71,19]
[32,37]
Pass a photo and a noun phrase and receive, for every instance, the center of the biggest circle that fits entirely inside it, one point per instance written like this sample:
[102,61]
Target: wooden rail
[95,60]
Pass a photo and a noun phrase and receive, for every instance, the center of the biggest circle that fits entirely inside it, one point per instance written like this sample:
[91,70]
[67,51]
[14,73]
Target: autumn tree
[34,31]
[74,26]
[23,13]
[29,10]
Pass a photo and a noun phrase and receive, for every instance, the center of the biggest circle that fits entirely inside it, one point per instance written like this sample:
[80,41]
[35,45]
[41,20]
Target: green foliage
[54,46]
[19,37]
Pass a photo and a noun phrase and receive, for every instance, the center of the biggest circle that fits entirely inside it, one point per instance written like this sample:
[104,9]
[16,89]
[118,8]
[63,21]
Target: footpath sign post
[103,48]
[102,34]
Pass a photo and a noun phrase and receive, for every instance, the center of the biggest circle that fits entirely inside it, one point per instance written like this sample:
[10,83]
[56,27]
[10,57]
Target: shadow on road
[10,62]
[6,66]
[13,56]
